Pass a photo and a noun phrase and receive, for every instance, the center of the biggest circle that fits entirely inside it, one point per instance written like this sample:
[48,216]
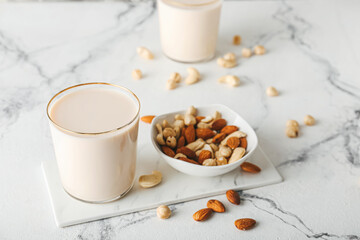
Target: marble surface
[313,59]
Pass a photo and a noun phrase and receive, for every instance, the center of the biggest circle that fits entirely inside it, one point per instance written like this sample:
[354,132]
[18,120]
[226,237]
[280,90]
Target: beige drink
[94,129]
[189,28]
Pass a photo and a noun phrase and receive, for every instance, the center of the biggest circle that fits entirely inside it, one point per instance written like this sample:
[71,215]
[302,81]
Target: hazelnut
[309,120]
[259,50]
[163,212]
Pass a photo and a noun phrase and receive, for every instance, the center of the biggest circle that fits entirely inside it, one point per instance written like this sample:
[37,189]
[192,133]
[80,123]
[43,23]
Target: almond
[215,205]
[243,142]
[204,154]
[188,160]
[168,151]
[147,119]
[218,124]
[204,133]
[181,142]
[245,223]
[249,167]
[233,142]
[183,131]
[218,138]
[229,129]
[202,214]
[199,118]
[190,134]
[233,197]
[186,151]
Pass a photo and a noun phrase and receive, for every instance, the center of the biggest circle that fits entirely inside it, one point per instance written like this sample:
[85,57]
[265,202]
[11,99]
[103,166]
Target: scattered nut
[147,119]
[202,214]
[163,212]
[193,77]
[246,52]
[233,197]
[176,76]
[272,92]
[259,50]
[236,40]
[245,223]
[228,62]
[237,154]
[148,181]
[209,162]
[231,80]
[216,205]
[230,56]
[250,167]
[144,53]
[171,84]
[136,74]
[309,120]
[292,128]
[171,141]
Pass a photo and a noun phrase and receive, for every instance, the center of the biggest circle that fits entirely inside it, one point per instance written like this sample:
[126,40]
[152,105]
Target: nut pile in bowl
[201,140]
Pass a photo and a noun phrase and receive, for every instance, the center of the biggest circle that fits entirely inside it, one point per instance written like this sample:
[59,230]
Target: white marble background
[313,59]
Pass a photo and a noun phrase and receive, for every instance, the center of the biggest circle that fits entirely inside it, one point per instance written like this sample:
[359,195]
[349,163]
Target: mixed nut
[201,140]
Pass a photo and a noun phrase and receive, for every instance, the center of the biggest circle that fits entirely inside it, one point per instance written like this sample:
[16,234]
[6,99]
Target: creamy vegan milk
[189,28]
[94,129]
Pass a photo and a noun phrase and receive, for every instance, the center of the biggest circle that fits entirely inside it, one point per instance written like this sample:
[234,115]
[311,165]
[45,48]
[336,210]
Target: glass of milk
[94,127]
[189,28]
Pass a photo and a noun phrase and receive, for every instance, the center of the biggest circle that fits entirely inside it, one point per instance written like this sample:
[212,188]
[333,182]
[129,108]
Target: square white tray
[176,187]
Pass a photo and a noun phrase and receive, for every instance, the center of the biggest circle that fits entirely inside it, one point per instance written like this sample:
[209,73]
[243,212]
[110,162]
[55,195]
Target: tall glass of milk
[189,28]
[94,127]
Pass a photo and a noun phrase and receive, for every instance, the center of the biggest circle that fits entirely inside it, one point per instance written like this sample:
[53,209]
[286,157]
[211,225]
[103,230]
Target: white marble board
[176,187]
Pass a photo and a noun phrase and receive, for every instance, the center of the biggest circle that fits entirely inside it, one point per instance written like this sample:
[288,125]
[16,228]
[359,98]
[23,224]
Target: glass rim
[180,4]
[94,133]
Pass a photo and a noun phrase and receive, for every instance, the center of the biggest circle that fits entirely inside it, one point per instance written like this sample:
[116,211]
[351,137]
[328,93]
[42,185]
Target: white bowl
[231,117]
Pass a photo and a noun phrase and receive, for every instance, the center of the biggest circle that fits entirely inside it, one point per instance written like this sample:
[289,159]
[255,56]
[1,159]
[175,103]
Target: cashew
[170,84]
[238,134]
[198,152]
[203,125]
[217,154]
[209,162]
[148,181]
[217,115]
[166,124]
[230,57]
[214,147]
[191,111]
[169,132]
[225,151]
[171,141]
[136,74]
[193,77]
[196,145]
[221,161]
[144,53]
[246,52]
[189,120]
[259,50]
[179,123]
[309,120]
[159,137]
[163,212]
[231,80]
[177,132]
[179,155]
[179,117]
[207,119]
[236,40]
[238,153]
[227,61]
[272,92]
[176,77]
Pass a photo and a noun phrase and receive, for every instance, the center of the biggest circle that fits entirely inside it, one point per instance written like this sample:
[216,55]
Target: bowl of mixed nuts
[205,141]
